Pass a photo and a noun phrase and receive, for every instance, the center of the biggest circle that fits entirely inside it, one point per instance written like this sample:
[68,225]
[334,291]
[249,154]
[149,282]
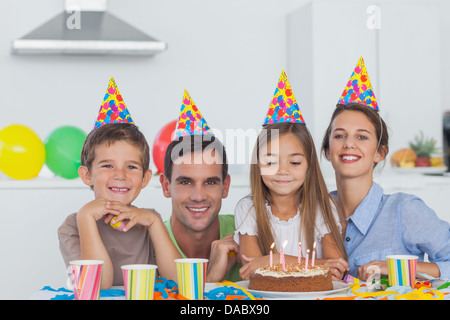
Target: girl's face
[353,145]
[283,165]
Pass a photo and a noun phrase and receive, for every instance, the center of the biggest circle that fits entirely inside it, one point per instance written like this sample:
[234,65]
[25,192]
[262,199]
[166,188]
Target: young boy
[115,164]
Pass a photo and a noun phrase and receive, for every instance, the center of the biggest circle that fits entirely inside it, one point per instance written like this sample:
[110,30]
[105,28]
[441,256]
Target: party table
[426,289]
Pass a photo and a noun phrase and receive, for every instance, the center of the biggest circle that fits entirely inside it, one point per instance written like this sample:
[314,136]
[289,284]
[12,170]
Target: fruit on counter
[424,148]
[404,158]
[422,152]
[437,162]
[423,162]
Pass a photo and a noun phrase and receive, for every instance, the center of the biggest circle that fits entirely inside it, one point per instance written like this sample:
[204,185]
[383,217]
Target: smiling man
[196,179]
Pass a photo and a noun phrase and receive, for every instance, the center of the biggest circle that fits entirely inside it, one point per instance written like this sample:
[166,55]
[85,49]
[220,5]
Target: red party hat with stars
[190,121]
[359,89]
[113,108]
[283,107]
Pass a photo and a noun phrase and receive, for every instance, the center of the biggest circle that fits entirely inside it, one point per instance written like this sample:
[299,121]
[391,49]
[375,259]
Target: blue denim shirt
[398,223]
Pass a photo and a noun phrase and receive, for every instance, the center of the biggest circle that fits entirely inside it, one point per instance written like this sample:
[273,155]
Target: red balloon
[162,140]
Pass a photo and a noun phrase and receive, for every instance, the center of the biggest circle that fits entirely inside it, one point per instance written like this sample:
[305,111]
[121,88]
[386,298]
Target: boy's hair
[110,133]
[313,197]
[194,143]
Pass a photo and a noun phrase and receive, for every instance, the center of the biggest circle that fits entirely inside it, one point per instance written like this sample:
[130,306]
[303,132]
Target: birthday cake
[295,279]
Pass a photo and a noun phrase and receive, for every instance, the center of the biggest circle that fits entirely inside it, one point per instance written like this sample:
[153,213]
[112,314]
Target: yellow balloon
[22,152]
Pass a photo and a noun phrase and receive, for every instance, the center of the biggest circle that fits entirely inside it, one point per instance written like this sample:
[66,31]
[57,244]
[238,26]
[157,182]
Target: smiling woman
[376,224]
[355,137]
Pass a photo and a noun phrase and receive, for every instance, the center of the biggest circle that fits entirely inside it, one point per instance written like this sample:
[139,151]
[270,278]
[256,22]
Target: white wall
[402,55]
[228,55]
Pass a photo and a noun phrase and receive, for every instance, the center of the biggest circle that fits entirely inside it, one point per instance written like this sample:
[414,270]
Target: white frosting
[292,271]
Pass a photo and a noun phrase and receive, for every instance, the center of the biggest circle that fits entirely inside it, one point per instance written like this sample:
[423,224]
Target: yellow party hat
[113,108]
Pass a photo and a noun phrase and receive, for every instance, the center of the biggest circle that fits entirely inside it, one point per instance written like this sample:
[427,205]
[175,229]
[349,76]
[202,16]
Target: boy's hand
[95,208]
[132,215]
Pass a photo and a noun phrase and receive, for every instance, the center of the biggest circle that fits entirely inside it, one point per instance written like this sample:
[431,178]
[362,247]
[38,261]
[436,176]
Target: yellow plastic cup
[139,281]
[191,275]
[402,270]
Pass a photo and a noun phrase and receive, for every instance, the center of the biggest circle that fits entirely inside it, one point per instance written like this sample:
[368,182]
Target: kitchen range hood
[85,27]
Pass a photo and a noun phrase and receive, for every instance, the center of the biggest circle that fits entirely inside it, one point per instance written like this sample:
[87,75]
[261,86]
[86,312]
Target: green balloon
[63,149]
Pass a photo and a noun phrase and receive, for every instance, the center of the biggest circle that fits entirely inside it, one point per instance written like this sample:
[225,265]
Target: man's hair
[113,132]
[195,143]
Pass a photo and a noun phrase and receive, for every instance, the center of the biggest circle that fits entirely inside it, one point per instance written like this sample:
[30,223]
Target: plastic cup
[191,275]
[402,270]
[139,281]
[87,277]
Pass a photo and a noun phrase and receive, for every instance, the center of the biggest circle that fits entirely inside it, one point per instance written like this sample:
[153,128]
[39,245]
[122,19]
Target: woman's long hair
[313,197]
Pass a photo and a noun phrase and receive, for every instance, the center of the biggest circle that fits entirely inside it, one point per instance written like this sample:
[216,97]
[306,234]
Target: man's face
[196,189]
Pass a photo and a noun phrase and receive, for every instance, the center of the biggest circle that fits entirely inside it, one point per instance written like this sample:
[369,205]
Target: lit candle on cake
[313,254]
[271,254]
[299,253]
[306,259]
[283,262]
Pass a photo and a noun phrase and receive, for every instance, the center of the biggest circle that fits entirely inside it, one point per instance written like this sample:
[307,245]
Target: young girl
[377,224]
[289,201]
